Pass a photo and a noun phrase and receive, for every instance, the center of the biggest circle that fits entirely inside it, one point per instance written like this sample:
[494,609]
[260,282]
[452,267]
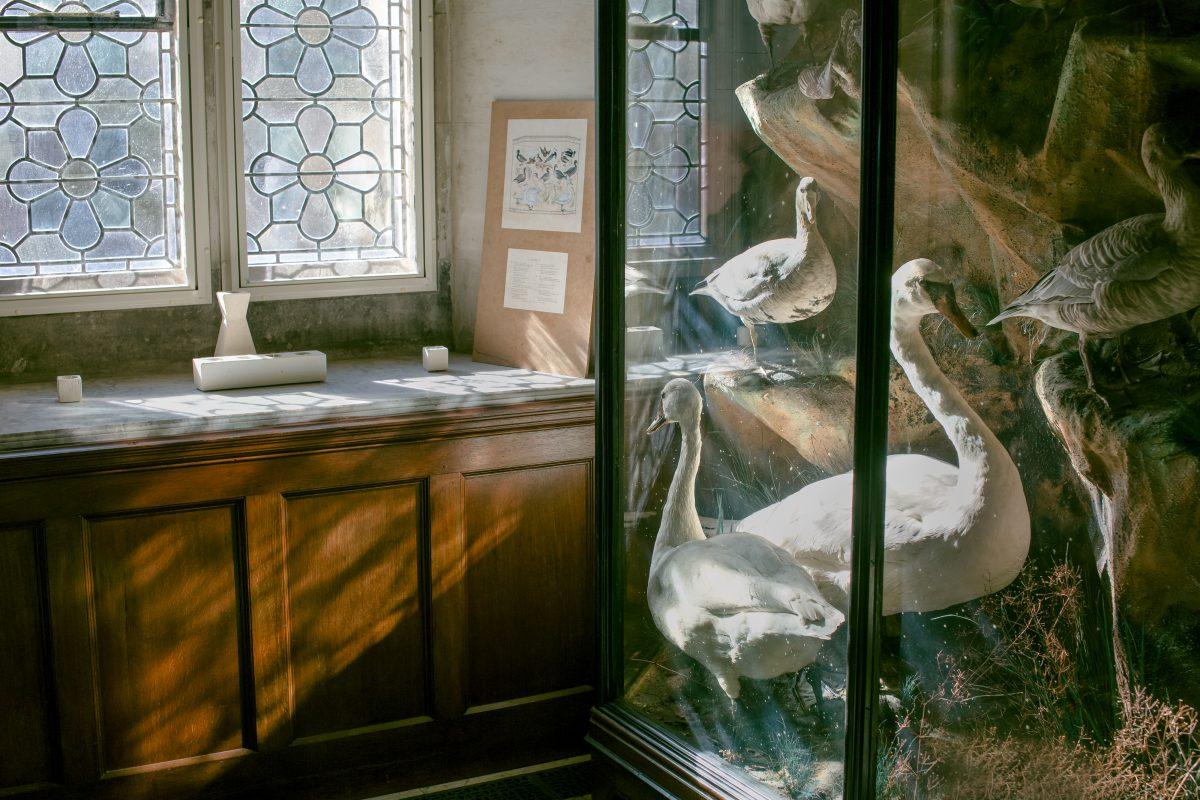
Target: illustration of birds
[780,281]
[1140,270]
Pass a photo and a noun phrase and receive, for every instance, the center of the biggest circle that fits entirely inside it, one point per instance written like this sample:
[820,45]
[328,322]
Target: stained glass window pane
[89,157]
[666,96]
[328,138]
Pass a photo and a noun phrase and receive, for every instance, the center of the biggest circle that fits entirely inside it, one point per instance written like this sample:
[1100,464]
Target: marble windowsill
[137,409]
[115,410]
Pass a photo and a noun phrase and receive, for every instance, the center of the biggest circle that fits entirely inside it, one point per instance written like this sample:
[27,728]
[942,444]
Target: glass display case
[899,416]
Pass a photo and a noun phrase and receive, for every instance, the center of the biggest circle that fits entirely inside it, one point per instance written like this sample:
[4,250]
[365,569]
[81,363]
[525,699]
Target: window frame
[235,264]
[194,184]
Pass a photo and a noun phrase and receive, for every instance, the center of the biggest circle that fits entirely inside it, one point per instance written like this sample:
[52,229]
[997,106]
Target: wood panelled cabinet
[321,610]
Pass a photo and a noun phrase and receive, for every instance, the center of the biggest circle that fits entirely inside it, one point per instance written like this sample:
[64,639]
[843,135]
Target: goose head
[679,403]
[1167,146]
[807,195]
[920,288]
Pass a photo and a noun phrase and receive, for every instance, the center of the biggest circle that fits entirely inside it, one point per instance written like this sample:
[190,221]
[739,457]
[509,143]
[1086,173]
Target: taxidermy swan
[736,603]
[952,534]
[783,280]
[1140,270]
[771,14]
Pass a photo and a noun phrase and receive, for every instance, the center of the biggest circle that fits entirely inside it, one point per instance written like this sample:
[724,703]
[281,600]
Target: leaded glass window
[666,90]
[90,148]
[329,140]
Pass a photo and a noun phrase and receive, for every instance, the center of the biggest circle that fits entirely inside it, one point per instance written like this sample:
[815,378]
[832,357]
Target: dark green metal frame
[164,20]
[877,197]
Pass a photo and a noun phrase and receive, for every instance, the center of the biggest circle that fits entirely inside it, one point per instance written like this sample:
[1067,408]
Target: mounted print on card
[538,262]
[544,174]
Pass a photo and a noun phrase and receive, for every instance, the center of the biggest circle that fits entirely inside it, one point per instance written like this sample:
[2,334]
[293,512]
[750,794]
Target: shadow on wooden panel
[529,581]
[165,589]
[355,608]
[26,752]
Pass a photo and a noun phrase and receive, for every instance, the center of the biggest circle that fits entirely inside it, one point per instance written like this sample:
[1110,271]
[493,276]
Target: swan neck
[977,447]
[680,520]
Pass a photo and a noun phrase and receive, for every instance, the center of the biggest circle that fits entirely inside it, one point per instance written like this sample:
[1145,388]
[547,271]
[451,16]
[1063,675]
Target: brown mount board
[542,341]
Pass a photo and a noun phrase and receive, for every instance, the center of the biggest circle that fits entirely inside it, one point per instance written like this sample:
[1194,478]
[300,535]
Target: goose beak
[947,304]
[658,422]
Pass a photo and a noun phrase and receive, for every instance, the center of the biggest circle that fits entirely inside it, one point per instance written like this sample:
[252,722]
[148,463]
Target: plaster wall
[502,50]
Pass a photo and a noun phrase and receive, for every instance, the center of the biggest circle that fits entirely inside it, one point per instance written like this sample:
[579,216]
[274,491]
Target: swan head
[807,195]
[680,402]
[1168,145]
[920,288]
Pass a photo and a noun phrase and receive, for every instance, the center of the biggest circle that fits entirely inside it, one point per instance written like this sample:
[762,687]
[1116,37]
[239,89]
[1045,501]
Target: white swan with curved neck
[736,603]
[952,534]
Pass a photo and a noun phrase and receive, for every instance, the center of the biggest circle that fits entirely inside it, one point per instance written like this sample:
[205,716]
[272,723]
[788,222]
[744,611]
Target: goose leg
[814,675]
[1087,364]
[1120,344]
[753,340]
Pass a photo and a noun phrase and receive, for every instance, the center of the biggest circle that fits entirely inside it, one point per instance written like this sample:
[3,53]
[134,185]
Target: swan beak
[947,304]
[658,422]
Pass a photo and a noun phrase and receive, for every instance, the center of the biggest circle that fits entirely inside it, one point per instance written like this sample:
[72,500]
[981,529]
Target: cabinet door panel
[166,603]
[356,608]
[529,581]
[26,754]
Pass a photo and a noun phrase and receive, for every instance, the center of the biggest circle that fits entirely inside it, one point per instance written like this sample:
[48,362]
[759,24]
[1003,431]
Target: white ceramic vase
[234,338]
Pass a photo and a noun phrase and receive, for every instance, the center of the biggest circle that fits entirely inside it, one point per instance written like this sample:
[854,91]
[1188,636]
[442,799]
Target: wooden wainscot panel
[166,598]
[529,582]
[26,749]
[356,610]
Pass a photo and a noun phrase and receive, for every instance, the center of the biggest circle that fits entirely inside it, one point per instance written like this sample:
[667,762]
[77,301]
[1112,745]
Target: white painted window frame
[235,267]
[197,245]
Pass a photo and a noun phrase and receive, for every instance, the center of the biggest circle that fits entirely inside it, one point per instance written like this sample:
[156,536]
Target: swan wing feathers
[1131,250]
[813,524]
[737,573]
[748,277]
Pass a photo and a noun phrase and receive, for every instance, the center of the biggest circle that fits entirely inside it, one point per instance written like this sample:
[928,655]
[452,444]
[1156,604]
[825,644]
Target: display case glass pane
[741,190]
[1043,557]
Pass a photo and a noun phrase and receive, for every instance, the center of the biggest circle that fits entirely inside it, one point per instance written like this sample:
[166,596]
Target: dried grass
[1011,723]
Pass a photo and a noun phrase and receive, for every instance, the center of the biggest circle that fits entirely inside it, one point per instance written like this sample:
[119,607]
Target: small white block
[743,336]
[643,344]
[70,388]
[435,359]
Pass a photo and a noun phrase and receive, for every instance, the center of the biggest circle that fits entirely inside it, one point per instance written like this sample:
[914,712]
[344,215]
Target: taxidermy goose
[771,14]
[1140,270]
[735,603]
[843,66]
[783,280]
[952,534]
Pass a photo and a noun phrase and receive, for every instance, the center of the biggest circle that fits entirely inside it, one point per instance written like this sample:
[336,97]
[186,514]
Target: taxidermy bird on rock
[1141,270]
[772,14]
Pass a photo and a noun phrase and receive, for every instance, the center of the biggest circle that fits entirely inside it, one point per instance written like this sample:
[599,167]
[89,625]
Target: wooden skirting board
[328,610]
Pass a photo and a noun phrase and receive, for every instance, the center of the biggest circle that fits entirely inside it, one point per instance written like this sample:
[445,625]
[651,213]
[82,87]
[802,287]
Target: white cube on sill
[70,388]
[435,359]
[643,344]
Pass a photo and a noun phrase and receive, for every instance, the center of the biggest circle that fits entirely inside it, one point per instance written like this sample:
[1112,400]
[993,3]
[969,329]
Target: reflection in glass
[1049,646]
[740,306]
